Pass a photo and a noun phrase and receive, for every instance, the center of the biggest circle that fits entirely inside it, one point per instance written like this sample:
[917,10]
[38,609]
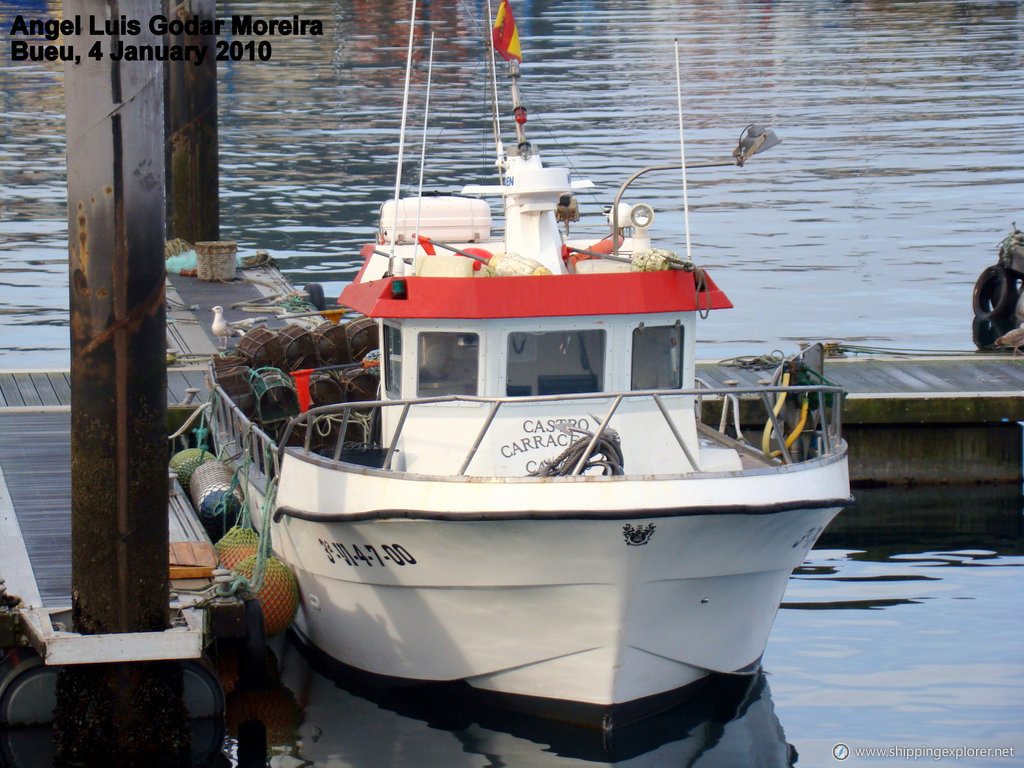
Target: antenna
[423,145]
[682,153]
[401,144]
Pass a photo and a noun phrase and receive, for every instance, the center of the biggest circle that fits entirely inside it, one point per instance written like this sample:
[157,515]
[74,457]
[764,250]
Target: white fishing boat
[531,503]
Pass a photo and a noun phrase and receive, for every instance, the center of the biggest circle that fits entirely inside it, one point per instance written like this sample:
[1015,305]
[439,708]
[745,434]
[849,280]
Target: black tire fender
[995,293]
[252,667]
[316,295]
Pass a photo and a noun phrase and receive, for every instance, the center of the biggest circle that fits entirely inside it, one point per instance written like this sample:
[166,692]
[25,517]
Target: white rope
[401,143]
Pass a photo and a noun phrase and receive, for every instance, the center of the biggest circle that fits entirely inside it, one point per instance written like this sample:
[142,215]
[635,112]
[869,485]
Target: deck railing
[237,434]
[821,422]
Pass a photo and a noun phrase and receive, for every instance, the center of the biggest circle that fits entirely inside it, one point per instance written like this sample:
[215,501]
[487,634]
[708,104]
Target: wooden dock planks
[35,459]
[37,472]
[41,390]
[911,376]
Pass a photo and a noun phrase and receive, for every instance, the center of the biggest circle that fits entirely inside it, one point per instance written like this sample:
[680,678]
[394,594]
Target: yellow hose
[767,435]
[804,408]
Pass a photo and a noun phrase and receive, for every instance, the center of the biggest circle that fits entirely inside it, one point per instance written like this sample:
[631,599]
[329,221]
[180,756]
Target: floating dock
[926,419]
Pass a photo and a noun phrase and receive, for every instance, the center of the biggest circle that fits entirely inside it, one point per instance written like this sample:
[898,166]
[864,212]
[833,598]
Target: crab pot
[234,380]
[331,342]
[229,360]
[299,346]
[325,389]
[359,385]
[262,349]
[275,395]
[216,502]
[363,337]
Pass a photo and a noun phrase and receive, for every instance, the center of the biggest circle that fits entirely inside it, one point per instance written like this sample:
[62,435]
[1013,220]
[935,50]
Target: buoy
[185,463]
[279,595]
[654,260]
[236,545]
[514,265]
[211,491]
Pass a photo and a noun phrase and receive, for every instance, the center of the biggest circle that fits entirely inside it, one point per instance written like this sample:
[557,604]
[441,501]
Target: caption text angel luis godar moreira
[115,37]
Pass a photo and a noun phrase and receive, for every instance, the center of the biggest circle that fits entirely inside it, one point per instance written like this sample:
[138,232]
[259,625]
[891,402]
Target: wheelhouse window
[555,362]
[447,363]
[657,357]
[392,361]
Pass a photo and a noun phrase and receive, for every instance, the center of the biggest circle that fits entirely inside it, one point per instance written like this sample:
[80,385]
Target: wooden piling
[193,207]
[118,714]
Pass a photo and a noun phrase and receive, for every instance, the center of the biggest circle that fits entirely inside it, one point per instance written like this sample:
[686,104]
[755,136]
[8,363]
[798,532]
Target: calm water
[899,172]
[901,631]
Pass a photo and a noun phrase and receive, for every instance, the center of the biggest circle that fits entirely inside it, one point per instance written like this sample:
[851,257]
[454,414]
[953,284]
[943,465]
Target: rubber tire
[252,667]
[316,295]
[995,293]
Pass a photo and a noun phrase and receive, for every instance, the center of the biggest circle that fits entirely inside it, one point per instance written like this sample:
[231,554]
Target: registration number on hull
[367,554]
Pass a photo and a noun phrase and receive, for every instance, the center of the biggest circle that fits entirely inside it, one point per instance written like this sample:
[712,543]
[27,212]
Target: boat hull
[603,607]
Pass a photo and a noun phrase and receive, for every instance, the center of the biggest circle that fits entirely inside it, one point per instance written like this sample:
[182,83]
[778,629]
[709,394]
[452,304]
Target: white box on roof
[446,218]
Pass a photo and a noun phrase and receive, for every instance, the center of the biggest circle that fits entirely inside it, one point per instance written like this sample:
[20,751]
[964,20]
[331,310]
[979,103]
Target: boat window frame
[680,368]
[450,363]
[600,375]
[391,365]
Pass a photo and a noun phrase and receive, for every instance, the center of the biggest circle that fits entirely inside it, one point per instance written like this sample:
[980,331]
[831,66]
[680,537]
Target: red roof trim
[630,293]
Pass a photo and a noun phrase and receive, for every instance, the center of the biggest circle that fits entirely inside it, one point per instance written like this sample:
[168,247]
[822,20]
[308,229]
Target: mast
[518,110]
[504,40]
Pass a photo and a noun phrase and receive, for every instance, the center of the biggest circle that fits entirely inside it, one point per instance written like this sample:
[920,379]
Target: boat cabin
[557,348]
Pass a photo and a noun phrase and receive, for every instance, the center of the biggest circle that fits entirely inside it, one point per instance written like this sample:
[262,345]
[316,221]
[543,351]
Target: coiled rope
[607,455]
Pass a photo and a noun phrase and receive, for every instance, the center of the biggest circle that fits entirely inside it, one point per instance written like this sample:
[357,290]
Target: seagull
[220,328]
[1014,338]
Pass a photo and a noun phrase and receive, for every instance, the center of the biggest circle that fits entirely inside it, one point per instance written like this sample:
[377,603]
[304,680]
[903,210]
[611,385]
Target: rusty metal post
[193,206]
[118,714]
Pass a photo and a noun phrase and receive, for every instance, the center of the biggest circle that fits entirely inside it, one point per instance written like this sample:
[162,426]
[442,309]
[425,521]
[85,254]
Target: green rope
[755,362]
[265,548]
[296,304]
[202,431]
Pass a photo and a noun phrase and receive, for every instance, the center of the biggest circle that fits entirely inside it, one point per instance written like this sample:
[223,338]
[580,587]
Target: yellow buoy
[279,595]
[187,461]
[236,545]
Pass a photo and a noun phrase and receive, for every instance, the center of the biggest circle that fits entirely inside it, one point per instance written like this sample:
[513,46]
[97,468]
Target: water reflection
[731,723]
[985,332]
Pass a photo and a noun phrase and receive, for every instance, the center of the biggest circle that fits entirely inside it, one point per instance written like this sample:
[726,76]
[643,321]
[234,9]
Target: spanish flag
[505,36]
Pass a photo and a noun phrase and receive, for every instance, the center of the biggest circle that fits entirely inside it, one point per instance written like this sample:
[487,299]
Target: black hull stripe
[568,514]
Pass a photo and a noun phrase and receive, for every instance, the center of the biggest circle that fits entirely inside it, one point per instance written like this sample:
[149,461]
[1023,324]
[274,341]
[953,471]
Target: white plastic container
[447,219]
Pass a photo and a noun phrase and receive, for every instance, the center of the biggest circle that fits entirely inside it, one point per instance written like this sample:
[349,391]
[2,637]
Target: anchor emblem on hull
[638,536]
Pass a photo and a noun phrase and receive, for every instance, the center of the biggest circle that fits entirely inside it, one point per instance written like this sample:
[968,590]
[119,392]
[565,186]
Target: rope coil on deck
[608,447]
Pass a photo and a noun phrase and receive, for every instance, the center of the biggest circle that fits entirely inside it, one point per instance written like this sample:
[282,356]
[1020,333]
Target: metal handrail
[237,424]
[828,426]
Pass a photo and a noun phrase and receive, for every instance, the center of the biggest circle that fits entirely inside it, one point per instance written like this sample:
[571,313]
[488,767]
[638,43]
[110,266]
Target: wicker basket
[215,260]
